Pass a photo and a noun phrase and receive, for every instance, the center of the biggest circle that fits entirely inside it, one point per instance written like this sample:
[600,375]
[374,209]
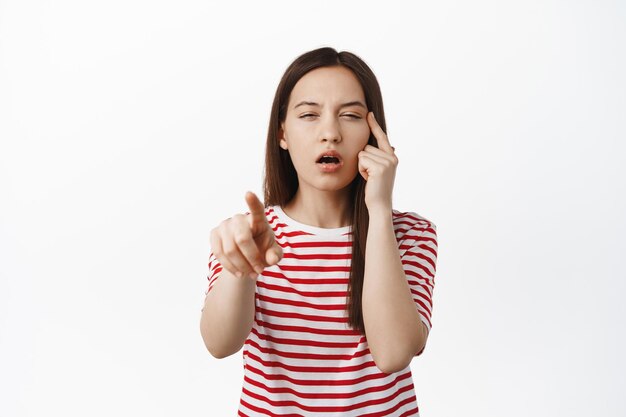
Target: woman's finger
[379,133]
[383,160]
[234,255]
[233,231]
[249,251]
[257,212]
[218,251]
[274,254]
[364,165]
[374,150]
[246,245]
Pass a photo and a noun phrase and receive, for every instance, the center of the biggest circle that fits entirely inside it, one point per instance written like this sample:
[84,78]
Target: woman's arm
[242,244]
[394,329]
[228,314]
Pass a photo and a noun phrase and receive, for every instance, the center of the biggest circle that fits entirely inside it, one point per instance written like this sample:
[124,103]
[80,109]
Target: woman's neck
[325,209]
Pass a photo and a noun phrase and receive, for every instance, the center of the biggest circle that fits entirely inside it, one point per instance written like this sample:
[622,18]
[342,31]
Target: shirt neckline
[320,231]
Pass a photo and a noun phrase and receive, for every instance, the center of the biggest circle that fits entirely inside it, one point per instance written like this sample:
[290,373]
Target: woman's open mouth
[330,166]
[329,162]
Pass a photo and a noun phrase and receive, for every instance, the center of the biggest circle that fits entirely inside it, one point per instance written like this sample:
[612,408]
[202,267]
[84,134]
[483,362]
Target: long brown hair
[281,180]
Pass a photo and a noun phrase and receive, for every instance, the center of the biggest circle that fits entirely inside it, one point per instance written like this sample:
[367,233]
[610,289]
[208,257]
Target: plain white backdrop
[129,129]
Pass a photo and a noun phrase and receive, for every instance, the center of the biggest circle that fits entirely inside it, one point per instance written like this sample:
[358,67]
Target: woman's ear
[281,136]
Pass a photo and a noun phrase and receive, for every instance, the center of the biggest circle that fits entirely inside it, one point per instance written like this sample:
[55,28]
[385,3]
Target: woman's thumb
[274,254]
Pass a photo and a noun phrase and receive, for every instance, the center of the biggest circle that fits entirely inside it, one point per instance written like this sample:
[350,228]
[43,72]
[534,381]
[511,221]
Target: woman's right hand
[245,244]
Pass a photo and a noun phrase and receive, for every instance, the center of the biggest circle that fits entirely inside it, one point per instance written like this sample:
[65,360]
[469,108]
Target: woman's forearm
[392,322]
[228,314]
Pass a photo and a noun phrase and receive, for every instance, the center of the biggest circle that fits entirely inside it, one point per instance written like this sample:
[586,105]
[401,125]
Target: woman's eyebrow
[349,103]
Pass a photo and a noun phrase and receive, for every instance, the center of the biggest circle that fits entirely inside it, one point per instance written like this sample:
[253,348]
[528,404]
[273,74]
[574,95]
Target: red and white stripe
[301,358]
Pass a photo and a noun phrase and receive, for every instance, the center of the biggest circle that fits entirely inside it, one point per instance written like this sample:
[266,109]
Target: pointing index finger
[379,133]
[257,210]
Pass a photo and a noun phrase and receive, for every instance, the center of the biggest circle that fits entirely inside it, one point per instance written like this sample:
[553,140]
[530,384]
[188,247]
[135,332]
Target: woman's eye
[351,116]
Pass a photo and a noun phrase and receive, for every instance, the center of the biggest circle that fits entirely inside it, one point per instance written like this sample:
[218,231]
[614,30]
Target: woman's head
[296,136]
[325,111]
[333,78]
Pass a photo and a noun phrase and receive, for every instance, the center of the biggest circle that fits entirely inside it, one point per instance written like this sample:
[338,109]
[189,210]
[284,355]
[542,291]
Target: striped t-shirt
[301,358]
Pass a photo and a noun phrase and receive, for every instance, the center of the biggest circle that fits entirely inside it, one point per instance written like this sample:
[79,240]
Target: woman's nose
[330,131]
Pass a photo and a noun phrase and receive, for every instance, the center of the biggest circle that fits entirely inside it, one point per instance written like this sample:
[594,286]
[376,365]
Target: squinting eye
[351,116]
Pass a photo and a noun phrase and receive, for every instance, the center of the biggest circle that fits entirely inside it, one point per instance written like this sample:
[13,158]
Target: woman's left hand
[378,167]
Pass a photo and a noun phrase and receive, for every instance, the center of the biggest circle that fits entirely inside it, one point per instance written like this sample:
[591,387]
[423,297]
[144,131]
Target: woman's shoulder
[270,213]
[411,223]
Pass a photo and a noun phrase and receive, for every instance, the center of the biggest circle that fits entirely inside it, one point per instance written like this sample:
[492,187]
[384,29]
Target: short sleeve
[419,260]
[215,267]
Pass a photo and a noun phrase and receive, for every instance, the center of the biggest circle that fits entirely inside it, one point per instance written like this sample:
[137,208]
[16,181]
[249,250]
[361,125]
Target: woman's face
[326,111]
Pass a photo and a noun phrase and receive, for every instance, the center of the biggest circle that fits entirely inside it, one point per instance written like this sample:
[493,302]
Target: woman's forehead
[327,85]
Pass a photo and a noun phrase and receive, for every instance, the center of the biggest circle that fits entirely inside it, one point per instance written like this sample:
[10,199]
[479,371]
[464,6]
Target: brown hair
[281,181]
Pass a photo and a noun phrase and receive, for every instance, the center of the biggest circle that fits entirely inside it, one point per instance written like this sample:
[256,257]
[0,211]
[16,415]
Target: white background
[129,129]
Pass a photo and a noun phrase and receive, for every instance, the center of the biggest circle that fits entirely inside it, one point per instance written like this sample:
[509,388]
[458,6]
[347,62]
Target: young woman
[326,286]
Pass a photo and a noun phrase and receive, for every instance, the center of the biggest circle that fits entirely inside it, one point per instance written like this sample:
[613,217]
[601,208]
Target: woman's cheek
[364,133]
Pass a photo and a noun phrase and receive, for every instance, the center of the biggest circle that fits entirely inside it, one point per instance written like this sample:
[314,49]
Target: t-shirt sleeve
[215,267]
[419,260]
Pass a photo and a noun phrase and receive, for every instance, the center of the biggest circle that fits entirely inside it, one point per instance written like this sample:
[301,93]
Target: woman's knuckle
[240,236]
[229,250]
[239,218]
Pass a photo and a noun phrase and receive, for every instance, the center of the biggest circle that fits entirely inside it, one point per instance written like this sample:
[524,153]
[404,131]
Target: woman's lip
[329,168]
[330,152]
